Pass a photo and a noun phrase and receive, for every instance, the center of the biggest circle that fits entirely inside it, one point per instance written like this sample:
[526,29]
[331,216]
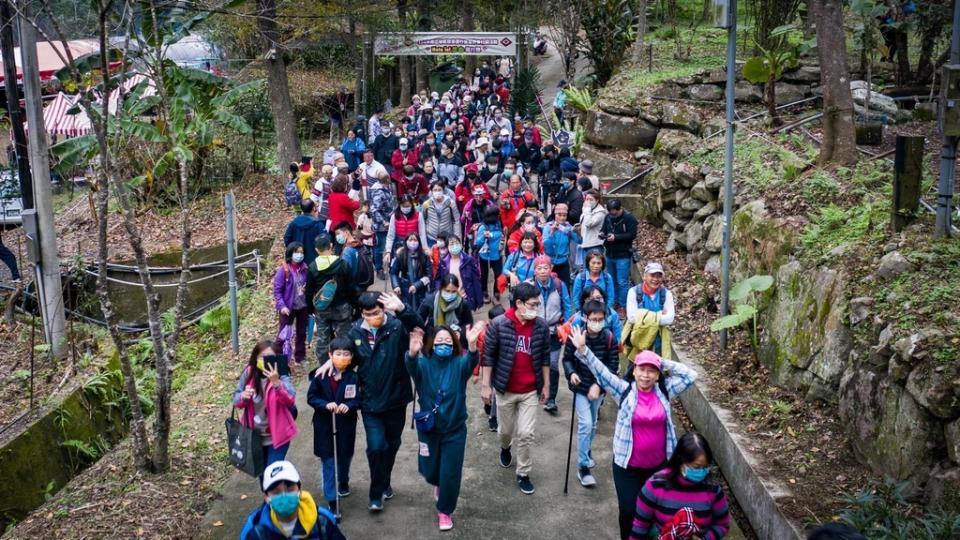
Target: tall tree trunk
[404,62]
[904,73]
[467,25]
[839,139]
[285,125]
[424,24]
[638,48]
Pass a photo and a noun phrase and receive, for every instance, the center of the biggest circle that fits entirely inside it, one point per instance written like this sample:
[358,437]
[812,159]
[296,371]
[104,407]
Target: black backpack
[365,270]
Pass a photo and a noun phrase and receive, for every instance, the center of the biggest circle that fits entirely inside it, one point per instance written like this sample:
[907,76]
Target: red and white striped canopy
[60,124]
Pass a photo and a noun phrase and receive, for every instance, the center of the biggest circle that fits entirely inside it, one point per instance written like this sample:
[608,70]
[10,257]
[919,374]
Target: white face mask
[438,196]
[527,314]
[590,204]
[595,326]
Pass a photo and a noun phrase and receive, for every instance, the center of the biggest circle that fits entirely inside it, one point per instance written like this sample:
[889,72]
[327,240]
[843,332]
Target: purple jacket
[469,278]
[284,285]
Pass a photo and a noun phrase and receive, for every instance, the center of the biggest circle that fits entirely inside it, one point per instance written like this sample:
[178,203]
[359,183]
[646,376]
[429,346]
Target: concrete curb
[756,494]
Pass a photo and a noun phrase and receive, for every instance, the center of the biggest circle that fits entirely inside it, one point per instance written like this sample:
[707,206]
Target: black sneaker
[526,486]
[506,458]
[586,478]
[551,407]
[388,493]
[343,490]
[376,505]
[492,423]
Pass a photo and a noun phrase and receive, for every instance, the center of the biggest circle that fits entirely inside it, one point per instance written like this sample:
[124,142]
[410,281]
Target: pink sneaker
[436,493]
[446,522]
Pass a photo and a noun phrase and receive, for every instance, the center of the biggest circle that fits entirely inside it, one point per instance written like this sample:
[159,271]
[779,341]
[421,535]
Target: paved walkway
[490,504]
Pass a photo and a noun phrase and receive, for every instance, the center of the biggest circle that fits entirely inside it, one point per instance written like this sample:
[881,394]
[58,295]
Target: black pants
[383,440]
[563,272]
[628,483]
[485,267]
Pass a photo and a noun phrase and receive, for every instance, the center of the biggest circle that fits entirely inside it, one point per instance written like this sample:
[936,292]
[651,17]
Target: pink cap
[542,259]
[647,358]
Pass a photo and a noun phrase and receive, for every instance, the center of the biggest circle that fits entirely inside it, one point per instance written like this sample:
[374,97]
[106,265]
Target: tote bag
[244,446]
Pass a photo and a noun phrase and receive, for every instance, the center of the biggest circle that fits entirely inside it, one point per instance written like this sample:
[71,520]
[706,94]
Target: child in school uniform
[336,396]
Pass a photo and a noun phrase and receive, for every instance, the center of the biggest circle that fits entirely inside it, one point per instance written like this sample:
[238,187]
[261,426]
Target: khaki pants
[517,416]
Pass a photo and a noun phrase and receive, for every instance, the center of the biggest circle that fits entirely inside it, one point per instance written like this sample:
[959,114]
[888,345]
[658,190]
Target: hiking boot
[506,458]
[492,423]
[551,407]
[586,478]
[388,493]
[445,521]
[525,485]
[376,505]
[343,490]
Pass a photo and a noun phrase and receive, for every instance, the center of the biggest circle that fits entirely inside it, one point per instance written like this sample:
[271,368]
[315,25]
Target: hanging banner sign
[444,43]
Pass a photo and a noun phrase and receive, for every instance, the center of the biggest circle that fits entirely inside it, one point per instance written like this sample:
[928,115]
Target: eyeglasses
[534,305]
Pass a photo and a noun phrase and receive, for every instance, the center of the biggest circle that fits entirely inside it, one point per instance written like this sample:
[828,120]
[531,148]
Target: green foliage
[881,511]
[609,27]
[217,319]
[744,311]
[580,99]
[21,374]
[832,226]
[523,100]
[753,284]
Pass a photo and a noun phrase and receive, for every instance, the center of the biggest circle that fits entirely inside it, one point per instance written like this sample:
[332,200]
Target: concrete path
[490,504]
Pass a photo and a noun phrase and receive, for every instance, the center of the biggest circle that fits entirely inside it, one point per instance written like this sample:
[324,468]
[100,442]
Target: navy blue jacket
[318,396]
[304,229]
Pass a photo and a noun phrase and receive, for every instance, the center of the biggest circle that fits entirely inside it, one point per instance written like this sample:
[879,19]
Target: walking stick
[336,467]
[566,476]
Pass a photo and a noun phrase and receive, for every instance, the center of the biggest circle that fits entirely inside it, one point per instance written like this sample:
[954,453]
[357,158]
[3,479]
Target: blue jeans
[378,250]
[329,480]
[586,427]
[383,440]
[619,270]
[272,455]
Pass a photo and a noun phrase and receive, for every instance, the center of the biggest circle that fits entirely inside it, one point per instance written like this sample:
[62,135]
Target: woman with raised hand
[644,437]
[440,370]
[266,398]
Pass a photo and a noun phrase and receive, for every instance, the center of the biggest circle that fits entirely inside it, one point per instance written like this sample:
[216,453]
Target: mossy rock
[760,243]
[36,456]
[804,328]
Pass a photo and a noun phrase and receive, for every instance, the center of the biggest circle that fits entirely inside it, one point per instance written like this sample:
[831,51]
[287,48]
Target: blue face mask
[297,257]
[695,475]
[449,296]
[443,350]
[341,239]
[285,504]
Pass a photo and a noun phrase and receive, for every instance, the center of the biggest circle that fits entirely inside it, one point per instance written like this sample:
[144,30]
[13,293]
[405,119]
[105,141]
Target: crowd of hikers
[500,260]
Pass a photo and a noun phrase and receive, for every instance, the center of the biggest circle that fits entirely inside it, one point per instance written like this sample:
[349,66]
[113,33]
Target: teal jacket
[428,372]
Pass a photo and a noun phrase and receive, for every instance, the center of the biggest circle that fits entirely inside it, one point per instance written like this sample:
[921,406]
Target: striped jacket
[662,498]
[678,378]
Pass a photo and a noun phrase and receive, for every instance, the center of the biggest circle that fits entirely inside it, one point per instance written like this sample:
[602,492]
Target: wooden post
[907,175]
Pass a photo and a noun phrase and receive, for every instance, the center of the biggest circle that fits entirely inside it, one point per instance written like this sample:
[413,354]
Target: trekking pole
[336,467]
[566,476]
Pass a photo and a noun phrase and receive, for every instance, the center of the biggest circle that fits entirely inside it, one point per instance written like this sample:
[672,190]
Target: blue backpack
[291,193]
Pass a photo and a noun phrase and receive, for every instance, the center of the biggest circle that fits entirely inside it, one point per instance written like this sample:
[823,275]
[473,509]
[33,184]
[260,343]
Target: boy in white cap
[287,510]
